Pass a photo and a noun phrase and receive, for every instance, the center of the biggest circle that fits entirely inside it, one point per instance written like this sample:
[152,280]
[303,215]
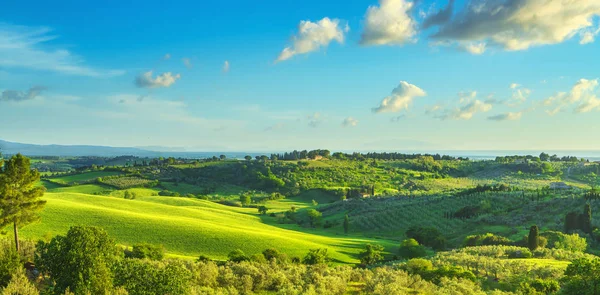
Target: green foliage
[346,223]
[83,260]
[582,277]
[533,238]
[245,199]
[486,240]
[371,255]
[19,285]
[9,262]
[237,256]
[572,242]
[410,248]
[316,256]
[262,210]
[428,236]
[314,217]
[145,250]
[19,197]
[145,277]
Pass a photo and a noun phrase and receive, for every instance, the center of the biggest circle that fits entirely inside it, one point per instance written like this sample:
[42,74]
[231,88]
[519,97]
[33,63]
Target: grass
[83,177]
[186,227]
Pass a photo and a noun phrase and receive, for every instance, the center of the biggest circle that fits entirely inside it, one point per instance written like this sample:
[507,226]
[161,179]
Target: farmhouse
[559,185]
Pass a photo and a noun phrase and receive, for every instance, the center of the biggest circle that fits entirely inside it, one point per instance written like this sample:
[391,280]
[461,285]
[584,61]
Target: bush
[152,252]
[410,248]
[237,256]
[427,236]
[9,262]
[316,256]
[520,253]
[141,277]
[20,285]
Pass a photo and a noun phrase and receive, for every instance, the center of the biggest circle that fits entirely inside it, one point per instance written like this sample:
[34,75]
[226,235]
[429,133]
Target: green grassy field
[187,227]
[83,177]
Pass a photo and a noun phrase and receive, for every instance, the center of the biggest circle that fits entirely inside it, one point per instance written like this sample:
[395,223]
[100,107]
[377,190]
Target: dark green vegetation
[417,224]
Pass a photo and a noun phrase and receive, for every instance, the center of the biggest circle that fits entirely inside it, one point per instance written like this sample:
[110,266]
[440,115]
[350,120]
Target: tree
[138,276]
[371,255]
[586,225]
[316,256]
[262,210]
[245,199]
[20,285]
[570,222]
[222,157]
[19,197]
[582,277]
[410,248]
[544,157]
[533,238]
[314,216]
[248,158]
[237,256]
[82,261]
[346,224]
[152,252]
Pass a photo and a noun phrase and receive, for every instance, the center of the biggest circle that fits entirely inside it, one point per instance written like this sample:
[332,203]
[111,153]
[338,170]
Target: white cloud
[432,109]
[466,112]
[520,94]
[440,17]
[167,56]
[313,36]
[23,47]
[389,24]
[187,62]
[510,116]
[226,67]
[400,99]
[14,95]
[476,48]
[145,80]
[349,122]
[520,24]
[466,96]
[582,95]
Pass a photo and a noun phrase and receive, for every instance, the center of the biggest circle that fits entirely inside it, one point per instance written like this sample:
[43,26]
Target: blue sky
[356,75]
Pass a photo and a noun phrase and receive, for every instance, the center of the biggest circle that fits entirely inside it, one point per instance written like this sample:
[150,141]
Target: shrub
[237,256]
[316,256]
[141,277]
[20,285]
[9,262]
[152,252]
[410,248]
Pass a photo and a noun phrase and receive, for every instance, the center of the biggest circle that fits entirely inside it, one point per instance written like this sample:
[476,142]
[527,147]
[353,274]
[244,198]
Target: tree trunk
[16,236]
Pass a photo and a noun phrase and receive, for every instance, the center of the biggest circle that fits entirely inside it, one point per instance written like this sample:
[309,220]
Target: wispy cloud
[14,95]
[314,36]
[314,120]
[23,47]
[187,62]
[349,122]
[582,97]
[510,116]
[467,111]
[145,80]
[226,67]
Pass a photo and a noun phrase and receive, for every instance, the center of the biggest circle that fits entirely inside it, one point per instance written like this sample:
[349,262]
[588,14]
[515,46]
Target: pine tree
[570,222]
[19,198]
[533,239]
[346,224]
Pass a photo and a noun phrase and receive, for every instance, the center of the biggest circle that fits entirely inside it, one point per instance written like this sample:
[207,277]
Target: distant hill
[7,147]
[11,148]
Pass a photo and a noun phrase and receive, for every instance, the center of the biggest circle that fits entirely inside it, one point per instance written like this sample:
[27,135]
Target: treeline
[313,154]
[543,157]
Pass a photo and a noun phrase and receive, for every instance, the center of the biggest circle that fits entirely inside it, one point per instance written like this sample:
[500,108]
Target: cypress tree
[19,198]
[346,224]
[586,225]
[533,239]
[570,222]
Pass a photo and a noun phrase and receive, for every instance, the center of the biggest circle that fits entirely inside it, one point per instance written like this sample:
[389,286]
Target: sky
[268,75]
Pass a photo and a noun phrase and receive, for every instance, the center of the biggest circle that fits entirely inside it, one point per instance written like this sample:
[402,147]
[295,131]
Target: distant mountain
[10,148]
